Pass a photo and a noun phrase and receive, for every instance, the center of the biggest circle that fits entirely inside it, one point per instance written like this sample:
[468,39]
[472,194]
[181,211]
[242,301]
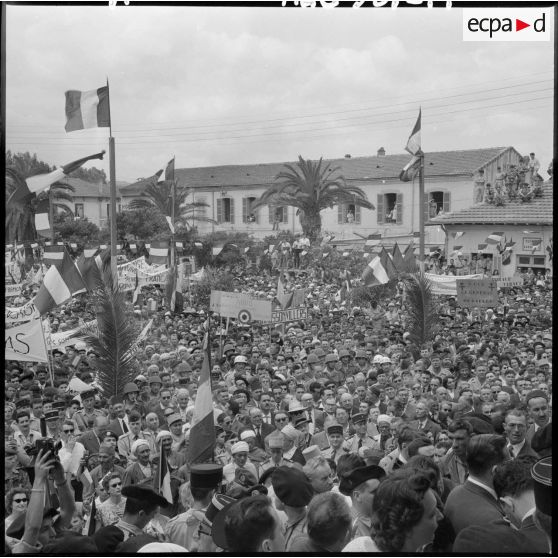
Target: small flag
[325,254]
[413,143]
[375,273]
[246,249]
[202,432]
[536,246]
[163,481]
[53,255]
[366,254]
[410,170]
[87,109]
[90,252]
[91,524]
[216,250]
[398,260]
[271,248]
[169,221]
[169,170]
[40,182]
[132,247]
[495,238]
[137,292]
[158,252]
[59,285]
[458,234]
[73,245]
[42,222]
[103,246]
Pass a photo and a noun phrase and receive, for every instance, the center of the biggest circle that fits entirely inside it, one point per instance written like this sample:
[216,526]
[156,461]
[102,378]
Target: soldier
[88,413]
[361,437]
[183,529]
[276,459]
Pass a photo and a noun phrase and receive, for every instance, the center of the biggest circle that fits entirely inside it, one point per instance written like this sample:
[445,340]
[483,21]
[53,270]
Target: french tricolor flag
[87,109]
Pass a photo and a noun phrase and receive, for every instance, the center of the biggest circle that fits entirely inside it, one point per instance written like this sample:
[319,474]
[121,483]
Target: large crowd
[331,434]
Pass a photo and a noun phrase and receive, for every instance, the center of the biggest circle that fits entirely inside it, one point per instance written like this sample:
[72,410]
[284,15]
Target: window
[532,261]
[390,209]
[225,210]
[108,211]
[248,216]
[78,211]
[348,213]
[436,203]
[200,211]
[279,214]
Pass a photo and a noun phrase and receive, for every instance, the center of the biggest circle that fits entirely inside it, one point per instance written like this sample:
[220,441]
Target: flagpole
[112,198]
[421,211]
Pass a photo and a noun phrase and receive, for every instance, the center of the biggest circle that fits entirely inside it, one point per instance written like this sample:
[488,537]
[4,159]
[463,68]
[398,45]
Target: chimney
[347,155]
[381,152]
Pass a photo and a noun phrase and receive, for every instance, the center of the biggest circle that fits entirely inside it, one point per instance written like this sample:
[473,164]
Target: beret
[355,477]
[291,486]
[536,393]
[244,477]
[239,447]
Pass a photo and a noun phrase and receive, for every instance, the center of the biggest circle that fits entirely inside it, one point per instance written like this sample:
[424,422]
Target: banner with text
[477,293]
[243,307]
[25,342]
[21,314]
[446,284]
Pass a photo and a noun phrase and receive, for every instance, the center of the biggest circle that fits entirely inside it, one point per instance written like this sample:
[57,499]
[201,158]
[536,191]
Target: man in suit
[91,439]
[423,423]
[453,463]
[537,405]
[517,533]
[265,406]
[119,424]
[515,426]
[475,502]
[314,416]
[280,419]
[260,428]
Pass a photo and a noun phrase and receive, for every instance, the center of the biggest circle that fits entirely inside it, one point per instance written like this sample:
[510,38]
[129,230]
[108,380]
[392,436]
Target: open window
[78,211]
[390,209]
[278,214]
[348,213]
[248,214]
[225,210]
[436,203]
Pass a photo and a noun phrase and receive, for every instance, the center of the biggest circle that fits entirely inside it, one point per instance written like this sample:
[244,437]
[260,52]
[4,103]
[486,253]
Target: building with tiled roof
[525,226]
[230,190]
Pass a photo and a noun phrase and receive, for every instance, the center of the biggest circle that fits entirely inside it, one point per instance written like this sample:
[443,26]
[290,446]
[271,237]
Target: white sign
[241,306]
[22,314]
[25,342]
[506,282]
[13,290]
[447,284]
[289,315]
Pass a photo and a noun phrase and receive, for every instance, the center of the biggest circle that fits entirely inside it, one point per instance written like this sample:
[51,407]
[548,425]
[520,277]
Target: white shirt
[70,459]
[516,448]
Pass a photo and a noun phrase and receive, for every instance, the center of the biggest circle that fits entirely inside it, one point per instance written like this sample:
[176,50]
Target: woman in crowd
[16,505]
[112,509]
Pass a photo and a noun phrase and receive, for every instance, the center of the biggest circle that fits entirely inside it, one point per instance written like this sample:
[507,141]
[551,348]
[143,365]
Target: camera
[44,444]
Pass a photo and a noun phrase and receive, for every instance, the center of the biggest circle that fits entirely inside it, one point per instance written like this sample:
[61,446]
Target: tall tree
[311,187]
[158,196]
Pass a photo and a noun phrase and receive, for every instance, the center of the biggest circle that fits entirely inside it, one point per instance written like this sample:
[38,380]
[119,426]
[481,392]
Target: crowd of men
[336,433]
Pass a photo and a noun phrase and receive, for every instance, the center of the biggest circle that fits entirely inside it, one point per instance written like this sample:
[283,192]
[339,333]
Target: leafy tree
[92,174]
[311,187]
[80,231]
[158,196]
[142,223]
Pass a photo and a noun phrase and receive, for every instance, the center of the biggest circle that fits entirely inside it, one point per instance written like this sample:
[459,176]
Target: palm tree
[20,214]
[158,195]
[311,187]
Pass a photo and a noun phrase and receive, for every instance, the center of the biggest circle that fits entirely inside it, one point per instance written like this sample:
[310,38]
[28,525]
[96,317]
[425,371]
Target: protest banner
[25,342]
[21,314]
[13,290]
[241,306]
[477,293]
[289,315]
[446,284]
[509,282]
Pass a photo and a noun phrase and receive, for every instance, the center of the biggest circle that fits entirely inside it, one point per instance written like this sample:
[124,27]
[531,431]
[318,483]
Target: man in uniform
[361,437]
[335,437]
[276,451]
[88,413]
[205,479]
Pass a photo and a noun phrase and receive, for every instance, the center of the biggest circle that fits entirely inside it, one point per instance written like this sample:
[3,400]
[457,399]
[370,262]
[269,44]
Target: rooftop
[537,211]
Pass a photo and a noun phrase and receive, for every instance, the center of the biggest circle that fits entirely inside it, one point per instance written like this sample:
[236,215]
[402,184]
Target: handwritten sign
[477,293]
[25,342]
[13,290]
[22,314]
[289,315]
[507,282]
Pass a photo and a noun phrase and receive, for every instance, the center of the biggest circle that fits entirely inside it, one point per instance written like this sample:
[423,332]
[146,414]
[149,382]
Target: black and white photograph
[278,277]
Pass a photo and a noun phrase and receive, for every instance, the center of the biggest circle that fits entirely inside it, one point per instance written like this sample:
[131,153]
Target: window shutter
[447,202]
[285,211]
[244,210]
[340,212]
[271,213]
[381,210]
[219,210]
[232,210]
[426,207]
[357,214]
[399,206]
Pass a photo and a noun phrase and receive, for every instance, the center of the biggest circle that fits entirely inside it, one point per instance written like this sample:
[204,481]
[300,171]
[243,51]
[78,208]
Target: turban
[137,444]
[383,418]
[162,434]
[239,447]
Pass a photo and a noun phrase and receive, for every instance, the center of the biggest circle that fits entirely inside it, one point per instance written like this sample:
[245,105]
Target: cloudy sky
[218,86]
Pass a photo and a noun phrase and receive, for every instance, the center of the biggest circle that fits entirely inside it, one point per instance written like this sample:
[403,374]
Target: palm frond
[115,335]
[423,318]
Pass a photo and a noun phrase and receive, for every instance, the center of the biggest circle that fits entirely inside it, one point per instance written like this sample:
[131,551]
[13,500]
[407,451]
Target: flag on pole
[202,433]
[169,170]
[413,143]
[90,252]
[410,261]
[375,273]
[494,238]
[163,481]
[410,170]
[59,285]
[87,109]
[136,299]
[398,260]
[158,252]
[40,182]
[53,255]
[92,268]
[91,523]
[387,263]
[284,299]
[42,222]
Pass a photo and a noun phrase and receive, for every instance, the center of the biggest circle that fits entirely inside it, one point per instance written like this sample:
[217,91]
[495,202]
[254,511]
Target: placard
[477,293]
[509,282]
[289,315]
[241,306]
